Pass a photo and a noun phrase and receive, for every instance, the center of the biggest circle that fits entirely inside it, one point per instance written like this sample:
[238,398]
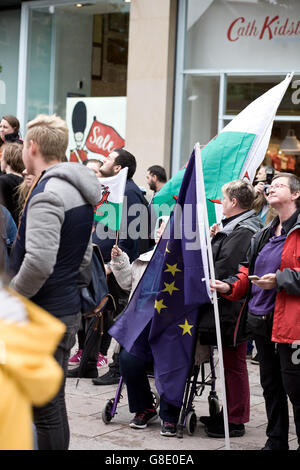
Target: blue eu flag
[160,321]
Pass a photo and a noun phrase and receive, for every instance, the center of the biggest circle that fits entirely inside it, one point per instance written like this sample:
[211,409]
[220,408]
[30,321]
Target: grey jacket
[53,241]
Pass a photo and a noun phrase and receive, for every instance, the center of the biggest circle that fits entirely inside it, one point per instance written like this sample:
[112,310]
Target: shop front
[107,62]
[180,70]
[228,53]
[59,52]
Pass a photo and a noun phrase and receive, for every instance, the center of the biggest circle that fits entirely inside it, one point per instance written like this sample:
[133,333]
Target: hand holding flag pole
[110,207]
[203,219]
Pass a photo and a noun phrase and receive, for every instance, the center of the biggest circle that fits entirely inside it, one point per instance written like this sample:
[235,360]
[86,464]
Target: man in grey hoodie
[53,245]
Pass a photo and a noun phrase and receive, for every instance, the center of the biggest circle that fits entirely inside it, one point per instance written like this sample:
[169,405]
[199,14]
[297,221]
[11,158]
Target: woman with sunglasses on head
[270,280]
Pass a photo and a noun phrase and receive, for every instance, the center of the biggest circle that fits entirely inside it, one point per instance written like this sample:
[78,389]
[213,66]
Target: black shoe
[266,447]
[110,378]
[141,420]
[88,374]
[168,429]
[269,446]
[217,430]
[209,420]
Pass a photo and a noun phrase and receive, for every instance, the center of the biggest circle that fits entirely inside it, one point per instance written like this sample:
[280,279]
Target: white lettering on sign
[2,92]
[103,143]
[296,93]
[272,27]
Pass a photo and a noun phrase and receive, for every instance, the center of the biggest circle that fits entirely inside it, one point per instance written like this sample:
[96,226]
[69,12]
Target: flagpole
[202,196]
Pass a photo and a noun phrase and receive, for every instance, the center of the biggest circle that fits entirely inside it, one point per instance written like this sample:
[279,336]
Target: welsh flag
[235,153]
[109,210]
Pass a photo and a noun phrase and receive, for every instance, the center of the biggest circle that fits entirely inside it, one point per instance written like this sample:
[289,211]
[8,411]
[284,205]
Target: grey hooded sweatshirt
[54,238]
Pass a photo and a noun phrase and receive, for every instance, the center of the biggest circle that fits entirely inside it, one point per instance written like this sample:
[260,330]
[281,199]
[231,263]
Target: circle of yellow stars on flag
[170,288]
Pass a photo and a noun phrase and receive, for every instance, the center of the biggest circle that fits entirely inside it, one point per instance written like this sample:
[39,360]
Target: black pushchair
[195,386]
[196,382]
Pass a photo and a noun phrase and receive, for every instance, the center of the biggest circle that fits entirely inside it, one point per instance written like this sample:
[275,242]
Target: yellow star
[170,287]
[159,305]
[172,268]
[167,249]
[186,328]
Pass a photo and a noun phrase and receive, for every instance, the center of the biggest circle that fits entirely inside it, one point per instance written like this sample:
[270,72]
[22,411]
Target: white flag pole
[202,213]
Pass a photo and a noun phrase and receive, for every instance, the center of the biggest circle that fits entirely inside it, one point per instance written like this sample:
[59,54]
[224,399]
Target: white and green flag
[109,210]
[236,152]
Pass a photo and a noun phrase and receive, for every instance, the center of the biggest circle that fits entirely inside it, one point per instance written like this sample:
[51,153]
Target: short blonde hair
[242,191]
[51,134]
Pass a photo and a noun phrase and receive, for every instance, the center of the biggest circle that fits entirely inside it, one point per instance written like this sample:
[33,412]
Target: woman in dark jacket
[9,129]
[9,132]
[272,307]
[230,243]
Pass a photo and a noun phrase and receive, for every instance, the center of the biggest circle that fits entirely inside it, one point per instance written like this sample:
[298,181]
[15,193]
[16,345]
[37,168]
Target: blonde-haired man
[52,246]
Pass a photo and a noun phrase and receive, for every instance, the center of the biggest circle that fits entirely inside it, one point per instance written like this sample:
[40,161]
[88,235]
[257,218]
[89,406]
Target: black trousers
[134,373]
[51,420]
[280,379]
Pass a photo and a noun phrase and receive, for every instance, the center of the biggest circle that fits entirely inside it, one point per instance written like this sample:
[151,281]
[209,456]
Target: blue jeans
[51,420]
[134,373]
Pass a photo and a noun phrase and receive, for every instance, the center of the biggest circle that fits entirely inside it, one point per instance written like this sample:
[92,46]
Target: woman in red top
[273,307]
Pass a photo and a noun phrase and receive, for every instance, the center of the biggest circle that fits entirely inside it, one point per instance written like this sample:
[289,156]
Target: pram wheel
[106,413]
[213,403]
[156,399]
[191,422]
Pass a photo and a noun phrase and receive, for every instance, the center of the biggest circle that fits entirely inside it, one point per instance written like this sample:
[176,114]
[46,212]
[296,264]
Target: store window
[9,52]
[240,91]
[231,52]
[75,50]
[201,101]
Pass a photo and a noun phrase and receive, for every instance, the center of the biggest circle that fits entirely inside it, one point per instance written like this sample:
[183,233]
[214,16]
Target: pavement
[86,402]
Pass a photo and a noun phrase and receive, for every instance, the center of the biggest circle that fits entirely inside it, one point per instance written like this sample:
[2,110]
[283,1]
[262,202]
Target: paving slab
[85,403]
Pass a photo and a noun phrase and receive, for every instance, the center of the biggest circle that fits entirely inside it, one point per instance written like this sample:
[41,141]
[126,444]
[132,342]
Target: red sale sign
[103,139]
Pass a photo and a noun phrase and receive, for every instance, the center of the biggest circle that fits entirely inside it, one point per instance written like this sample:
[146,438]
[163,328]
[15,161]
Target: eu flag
[160,321]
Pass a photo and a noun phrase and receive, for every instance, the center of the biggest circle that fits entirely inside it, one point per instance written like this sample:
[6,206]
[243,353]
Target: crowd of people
[48,233]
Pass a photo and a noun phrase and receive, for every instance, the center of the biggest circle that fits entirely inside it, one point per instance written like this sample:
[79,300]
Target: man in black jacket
[230,243]
[134,200]
[133,239]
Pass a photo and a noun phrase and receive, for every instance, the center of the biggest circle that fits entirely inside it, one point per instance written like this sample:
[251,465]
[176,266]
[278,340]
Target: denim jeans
[51,420]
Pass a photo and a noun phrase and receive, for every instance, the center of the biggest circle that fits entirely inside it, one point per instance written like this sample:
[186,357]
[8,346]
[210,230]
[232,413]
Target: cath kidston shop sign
[244,35]
[272,27]
[96,126]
